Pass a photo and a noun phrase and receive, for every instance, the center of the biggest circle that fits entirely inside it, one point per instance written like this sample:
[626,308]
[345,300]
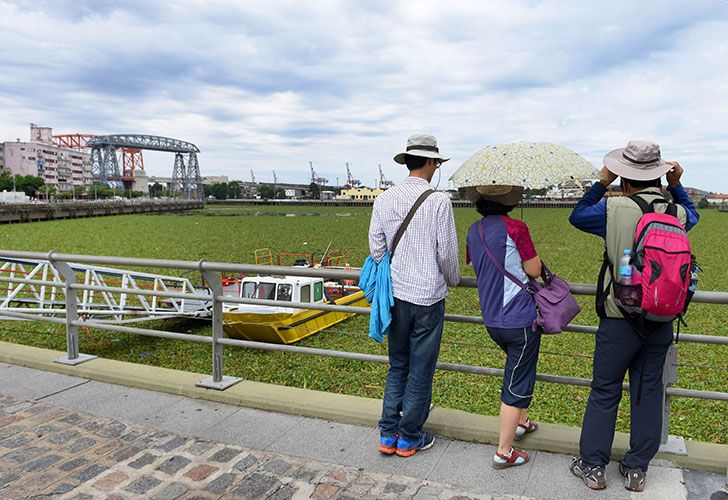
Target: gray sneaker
[593,477]
[634,479]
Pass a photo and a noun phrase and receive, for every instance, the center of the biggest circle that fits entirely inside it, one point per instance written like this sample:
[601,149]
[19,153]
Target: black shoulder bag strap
[408,219]
[644,206]
[602,292]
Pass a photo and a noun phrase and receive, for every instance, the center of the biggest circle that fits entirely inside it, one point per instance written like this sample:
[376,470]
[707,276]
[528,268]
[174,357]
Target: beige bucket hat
[421,145]
[505,195]
[639,161]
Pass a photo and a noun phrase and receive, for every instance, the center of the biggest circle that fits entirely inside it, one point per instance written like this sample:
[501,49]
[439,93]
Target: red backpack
[661,268]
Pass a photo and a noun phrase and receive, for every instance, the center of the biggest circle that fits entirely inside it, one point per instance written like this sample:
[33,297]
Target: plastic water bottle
[625,268]
[694,270]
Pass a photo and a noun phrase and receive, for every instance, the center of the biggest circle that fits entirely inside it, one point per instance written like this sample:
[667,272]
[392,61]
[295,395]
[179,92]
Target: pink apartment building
[59,167]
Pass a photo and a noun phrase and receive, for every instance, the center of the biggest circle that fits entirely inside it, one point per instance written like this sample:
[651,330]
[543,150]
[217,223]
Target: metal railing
[214,294]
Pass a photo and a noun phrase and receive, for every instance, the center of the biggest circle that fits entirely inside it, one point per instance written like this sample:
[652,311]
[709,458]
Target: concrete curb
[343,408]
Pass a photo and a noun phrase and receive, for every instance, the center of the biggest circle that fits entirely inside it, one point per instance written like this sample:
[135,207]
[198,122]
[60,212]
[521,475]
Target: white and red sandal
[524,429]
[516,457]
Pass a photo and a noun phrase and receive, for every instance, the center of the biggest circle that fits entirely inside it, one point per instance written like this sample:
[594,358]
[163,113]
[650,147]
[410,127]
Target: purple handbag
[555,305]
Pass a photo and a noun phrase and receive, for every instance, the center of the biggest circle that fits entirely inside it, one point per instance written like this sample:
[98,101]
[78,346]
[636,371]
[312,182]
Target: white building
[59,167]
[568,190]
[13,197]
[717,199]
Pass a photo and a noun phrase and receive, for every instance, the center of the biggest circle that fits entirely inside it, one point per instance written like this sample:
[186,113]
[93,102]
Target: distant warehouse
[360,193]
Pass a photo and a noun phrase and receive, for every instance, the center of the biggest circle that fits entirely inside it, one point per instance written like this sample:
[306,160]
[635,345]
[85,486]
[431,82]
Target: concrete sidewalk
[148,444]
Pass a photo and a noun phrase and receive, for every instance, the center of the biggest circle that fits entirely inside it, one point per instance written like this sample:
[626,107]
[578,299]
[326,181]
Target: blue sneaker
[388,445]
[408,448]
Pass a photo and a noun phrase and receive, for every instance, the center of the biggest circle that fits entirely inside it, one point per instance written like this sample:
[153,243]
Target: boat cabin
[283,288]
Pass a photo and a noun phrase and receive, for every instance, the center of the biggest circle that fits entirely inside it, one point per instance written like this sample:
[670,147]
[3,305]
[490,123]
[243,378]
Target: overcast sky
[275,84]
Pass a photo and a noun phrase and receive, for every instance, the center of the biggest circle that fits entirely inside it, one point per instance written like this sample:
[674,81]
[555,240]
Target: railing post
[670,444]
[72,357]
[218,381]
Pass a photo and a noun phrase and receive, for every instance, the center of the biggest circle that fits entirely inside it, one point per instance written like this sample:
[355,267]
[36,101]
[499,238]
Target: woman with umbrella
[504,257]
[500,250]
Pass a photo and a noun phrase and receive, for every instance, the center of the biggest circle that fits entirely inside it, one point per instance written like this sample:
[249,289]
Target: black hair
[415,162]
[638,185]
[487,207]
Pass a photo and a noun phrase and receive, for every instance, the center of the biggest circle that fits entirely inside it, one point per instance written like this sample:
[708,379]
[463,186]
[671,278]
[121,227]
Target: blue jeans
[618,350]
[414,343]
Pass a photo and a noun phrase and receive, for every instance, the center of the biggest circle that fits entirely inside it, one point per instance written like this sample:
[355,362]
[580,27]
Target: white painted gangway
[26,290]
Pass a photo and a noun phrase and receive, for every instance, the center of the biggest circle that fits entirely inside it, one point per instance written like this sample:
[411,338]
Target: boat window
[248,290]
[284,292]
[318,291]
[306,293]
[266,291]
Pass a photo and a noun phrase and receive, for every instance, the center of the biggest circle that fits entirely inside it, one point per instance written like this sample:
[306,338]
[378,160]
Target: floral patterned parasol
[533,165]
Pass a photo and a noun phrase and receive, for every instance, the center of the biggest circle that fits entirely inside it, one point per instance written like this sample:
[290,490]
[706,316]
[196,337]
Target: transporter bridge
[131,158]
[106,169]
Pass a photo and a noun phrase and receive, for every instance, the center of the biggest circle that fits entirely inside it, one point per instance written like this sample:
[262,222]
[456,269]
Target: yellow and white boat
[281,324]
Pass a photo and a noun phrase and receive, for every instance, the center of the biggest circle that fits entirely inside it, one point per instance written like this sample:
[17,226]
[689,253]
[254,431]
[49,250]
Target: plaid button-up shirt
[426,259]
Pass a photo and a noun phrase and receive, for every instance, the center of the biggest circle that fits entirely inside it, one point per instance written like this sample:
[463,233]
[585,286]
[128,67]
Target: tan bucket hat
[498,193]
[639,161]
[421,145]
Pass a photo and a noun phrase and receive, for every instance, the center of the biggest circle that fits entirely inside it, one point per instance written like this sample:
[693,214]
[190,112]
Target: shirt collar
[415,180]
[650,190]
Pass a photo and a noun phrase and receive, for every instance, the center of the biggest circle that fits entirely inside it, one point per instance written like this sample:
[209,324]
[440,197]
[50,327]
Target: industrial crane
[384,183]
[315,179]
[350,181]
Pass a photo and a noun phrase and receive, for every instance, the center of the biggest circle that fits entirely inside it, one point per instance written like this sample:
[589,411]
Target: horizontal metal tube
[459,318]
[478,370]
[712,297]
[55,284]
[318,306]
[144,331]
[703,339]
[692,393]
[32,317]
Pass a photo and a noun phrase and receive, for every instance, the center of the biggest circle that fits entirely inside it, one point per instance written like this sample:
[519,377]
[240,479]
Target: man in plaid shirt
[424,265]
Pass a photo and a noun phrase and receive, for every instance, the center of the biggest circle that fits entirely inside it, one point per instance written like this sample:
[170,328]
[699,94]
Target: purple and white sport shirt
[503,303]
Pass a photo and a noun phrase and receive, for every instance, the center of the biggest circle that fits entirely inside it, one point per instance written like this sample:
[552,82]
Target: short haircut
[642,184]
[415,162]
[487,207]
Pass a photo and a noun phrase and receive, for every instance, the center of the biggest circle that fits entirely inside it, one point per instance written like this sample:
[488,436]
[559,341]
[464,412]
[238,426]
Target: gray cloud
[273,85]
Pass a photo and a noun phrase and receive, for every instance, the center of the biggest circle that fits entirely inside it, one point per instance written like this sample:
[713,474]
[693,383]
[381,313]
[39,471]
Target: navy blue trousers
[519,378]
[618,350]
[413,344]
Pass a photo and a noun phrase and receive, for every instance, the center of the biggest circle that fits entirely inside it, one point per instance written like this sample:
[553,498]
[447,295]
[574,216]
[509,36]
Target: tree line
[234,190]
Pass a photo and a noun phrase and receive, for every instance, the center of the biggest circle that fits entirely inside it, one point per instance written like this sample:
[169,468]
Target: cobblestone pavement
[47,451]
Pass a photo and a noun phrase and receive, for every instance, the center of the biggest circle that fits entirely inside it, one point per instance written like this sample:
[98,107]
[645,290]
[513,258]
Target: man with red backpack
[636,304]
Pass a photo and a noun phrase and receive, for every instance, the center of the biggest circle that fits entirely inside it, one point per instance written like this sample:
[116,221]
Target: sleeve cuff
[599,188]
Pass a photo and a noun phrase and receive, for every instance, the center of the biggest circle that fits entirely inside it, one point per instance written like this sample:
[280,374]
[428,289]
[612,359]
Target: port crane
[384,183]
[350,181]
[315,179]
